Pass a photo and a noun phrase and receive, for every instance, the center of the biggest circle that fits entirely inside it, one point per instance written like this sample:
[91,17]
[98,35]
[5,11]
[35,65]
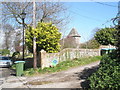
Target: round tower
[73,33]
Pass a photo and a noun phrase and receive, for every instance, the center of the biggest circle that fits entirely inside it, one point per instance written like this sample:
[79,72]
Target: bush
[0,51]
[108,74]
[16,54]
[47,37]
[91,44]
[5,52]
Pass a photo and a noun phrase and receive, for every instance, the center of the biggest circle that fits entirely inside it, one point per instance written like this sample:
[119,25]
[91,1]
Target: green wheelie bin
[19,67]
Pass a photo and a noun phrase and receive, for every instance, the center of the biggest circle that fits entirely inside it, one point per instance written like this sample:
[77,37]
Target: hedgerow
[108,74]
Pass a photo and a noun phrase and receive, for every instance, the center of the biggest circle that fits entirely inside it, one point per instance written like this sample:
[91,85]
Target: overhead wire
[87,17]
[84,16]
[90,17]
[100,20]
[107,21]
[112,19]
[104,4]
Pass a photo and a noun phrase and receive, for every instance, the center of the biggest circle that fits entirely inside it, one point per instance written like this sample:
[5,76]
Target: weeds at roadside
[62,66]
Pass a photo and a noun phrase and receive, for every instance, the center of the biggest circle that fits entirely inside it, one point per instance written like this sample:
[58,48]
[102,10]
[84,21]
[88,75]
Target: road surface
[71,78]
[4,73]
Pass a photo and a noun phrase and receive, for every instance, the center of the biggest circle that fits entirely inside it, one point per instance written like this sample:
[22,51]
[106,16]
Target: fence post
[43,58]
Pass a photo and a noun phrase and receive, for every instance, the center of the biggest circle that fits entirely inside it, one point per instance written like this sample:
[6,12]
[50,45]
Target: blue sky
[86,16]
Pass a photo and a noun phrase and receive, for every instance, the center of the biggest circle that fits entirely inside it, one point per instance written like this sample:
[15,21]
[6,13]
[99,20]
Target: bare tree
[45,12]
[18,40]
[8,31]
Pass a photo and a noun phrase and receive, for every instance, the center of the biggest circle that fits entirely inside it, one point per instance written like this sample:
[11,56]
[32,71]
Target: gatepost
[43,58]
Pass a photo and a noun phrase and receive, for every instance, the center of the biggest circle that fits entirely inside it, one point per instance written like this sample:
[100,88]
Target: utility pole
[34,39]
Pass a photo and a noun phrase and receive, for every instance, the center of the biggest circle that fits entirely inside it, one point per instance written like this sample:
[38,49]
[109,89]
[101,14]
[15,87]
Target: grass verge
[62,66]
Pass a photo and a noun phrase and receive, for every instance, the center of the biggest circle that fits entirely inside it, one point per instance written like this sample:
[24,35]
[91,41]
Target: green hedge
[108,74]
[4,52]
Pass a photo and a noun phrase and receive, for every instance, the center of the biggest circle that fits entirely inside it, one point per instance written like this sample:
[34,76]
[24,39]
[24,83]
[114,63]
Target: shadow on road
[87,72]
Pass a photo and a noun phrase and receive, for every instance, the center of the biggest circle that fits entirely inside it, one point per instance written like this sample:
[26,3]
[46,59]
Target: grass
[62,66]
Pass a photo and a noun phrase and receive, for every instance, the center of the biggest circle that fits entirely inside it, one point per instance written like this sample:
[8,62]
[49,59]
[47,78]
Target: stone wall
[106,46]
[47,59]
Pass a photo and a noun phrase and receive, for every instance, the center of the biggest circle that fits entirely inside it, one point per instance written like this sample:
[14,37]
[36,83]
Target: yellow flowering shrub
[47,37]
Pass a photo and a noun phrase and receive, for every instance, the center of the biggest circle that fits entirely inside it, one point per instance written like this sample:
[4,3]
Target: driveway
[72,78]
[4,73]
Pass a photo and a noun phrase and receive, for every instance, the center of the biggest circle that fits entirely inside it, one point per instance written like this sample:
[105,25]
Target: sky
[85,17]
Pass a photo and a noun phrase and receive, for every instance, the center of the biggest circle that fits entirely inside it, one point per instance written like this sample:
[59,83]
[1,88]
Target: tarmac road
[4,73]
[71,78]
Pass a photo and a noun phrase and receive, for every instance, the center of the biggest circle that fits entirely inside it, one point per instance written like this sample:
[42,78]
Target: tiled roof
[74,33]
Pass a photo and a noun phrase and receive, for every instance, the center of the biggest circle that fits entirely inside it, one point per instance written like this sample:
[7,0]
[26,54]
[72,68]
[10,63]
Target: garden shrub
[108,74]
[5,52]
[0,51]
[15,55]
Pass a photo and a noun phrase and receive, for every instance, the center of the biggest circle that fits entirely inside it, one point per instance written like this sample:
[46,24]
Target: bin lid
[108,48]
[19,62]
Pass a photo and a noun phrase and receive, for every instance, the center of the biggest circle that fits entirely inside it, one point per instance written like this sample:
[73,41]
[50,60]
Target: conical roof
[74,33]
